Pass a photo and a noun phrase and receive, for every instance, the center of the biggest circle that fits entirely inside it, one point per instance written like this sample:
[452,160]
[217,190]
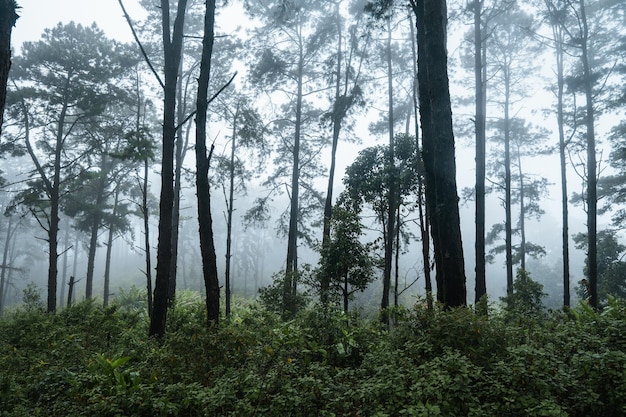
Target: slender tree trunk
[8,17]
[74,269]
[522,213]
[207,246]
[346,293]
[146,227]
[479,122]
[96,219]
[438,150]
[66,242]
[172,47]
[559,55]
[5,260]
[230,209]
[337,119]
[107,264]
[396,275]
[391,198]
[507,185]
[292,237]
[592,180]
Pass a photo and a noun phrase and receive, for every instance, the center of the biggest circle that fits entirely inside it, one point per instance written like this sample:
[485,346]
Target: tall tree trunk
[66,242]
[522,213]
[557,32]
[230,209]
[5,260]
[507,184]
[146,227]
[438,150]
[479,123]
[291,268]
[423,221]
[8,17]
[207,245]
[96,219]
[337,119]
[172,47]
[180,152]
[592,180]
[107,263]
[391,198]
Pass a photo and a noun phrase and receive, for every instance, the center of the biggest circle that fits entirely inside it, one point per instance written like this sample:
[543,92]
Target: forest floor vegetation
[92,361]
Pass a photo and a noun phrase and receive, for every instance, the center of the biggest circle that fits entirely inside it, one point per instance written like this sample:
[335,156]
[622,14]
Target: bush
[87,361]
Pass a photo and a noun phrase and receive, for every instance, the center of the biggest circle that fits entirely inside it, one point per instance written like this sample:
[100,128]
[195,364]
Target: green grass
[89,361]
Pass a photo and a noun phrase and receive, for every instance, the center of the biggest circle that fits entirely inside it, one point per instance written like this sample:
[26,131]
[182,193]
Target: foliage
[274,297]
[611,267]
[526,300]
[345,260]
[87,361]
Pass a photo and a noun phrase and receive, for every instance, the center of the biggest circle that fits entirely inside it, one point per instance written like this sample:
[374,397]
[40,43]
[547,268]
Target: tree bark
[107,263]
[391,198]
[337,119]
[438,151]
[230,209]
[557,32]
[508,228]
[8,17]
[291,268]
[207,245]
[172,47]
[479,123]
[592,180]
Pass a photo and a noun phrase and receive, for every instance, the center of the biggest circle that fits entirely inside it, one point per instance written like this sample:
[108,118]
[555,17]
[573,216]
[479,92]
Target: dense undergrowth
[89,361]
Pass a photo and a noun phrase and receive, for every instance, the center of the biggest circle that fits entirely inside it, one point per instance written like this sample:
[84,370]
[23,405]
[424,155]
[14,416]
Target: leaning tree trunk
[8,17]
[438,151]
[207,245]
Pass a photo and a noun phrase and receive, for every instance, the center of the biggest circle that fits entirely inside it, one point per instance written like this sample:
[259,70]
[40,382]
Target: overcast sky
[37,15]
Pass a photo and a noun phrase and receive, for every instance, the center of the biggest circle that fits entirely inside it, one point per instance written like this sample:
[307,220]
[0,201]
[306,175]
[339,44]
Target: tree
[207,245]
[438,151]
[479,121]
[345,262]
[295,33]
[62,81]
[526,299]
[248,134]
[8,17]
[172,47]
[105,168]
[511,52]
[611,267]
[589,41]
[526,191]
[347,94]
[554,9]
[369,180]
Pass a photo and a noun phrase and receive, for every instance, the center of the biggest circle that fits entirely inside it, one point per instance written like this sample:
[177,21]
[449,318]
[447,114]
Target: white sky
[37,15]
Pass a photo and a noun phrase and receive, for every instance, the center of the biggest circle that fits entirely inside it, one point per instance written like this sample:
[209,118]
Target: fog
[265,246]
